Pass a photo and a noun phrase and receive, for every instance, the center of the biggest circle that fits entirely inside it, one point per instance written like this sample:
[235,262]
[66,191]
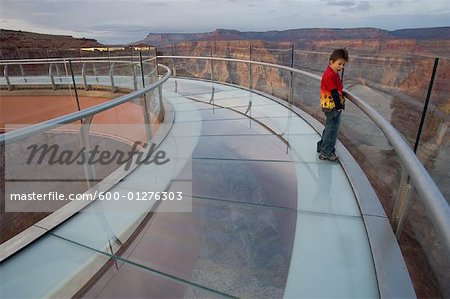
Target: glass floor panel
[289,125]
[123,279]
[210,114]
[270,184]
[324,188]
[241,126]
[43,266]
[238,250]
[263,223]
[66,259]
[331,259]
[254,147]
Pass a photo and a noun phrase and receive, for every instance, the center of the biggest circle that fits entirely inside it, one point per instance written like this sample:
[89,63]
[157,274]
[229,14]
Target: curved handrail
[62,61]
[42,60]
[282,67]
[56,61]
[435,202]
[75,116]
[436,205]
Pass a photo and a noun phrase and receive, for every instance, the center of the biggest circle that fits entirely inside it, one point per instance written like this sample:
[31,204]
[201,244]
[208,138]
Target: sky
[120,21]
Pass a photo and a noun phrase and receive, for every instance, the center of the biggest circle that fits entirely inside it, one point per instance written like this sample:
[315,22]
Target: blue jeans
[329,135]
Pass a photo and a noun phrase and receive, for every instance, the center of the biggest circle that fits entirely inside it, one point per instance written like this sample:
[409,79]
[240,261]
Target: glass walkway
[261,217]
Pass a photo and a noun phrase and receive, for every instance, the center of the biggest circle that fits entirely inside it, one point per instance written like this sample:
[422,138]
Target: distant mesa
[24,39]
[295,35]
[11,39]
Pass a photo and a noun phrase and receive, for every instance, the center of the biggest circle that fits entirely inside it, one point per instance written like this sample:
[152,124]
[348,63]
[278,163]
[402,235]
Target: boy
[332,102]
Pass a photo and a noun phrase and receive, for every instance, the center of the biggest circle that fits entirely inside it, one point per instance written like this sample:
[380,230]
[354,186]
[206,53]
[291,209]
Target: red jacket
[330,81]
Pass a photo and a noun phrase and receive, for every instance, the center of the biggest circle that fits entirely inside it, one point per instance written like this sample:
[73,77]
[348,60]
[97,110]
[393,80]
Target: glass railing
[396,85]
[60,111]
[374,152]
[362,137]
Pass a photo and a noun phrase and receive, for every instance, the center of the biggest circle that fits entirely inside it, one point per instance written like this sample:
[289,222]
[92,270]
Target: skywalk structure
[260,215]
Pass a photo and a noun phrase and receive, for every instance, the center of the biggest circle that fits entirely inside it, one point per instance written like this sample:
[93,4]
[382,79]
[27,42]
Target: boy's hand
[336,99]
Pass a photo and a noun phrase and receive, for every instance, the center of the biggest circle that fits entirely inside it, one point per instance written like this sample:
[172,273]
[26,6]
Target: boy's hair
[339,53]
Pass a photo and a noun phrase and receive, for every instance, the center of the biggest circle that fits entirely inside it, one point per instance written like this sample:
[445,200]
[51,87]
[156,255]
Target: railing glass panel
[362,137]
[66,160]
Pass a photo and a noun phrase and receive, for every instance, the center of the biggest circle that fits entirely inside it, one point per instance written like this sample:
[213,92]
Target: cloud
[43,14]
[362,6]
[121,21]
[353,6]
[343,3]
[156,3]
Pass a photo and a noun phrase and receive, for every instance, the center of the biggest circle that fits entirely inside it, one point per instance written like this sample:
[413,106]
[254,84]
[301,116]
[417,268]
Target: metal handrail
[35,60]
[75,116]
[282,67]
[60,60]
[436,205]
[54,62]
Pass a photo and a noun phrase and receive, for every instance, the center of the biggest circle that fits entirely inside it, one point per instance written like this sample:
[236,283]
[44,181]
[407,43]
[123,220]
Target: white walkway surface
[312,241]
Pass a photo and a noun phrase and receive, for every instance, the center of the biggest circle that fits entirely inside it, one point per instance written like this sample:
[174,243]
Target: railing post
[89,169]
[212,70]
[248,111]
[52,78]
[425,107]
[57,71]
[23,73]
[83,74]
[173,64]
[250,76]
[292,55]
[74,85]
[211,66]
[250,73]
[291,89]
[94,69]
[161,106]
[111,76]
[211,99]
[291,79]
[402,204]
[133,69]
[147,118]
[5,72]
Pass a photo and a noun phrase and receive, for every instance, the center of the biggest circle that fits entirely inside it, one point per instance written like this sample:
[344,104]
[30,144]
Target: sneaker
[332,157]
[319,144]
